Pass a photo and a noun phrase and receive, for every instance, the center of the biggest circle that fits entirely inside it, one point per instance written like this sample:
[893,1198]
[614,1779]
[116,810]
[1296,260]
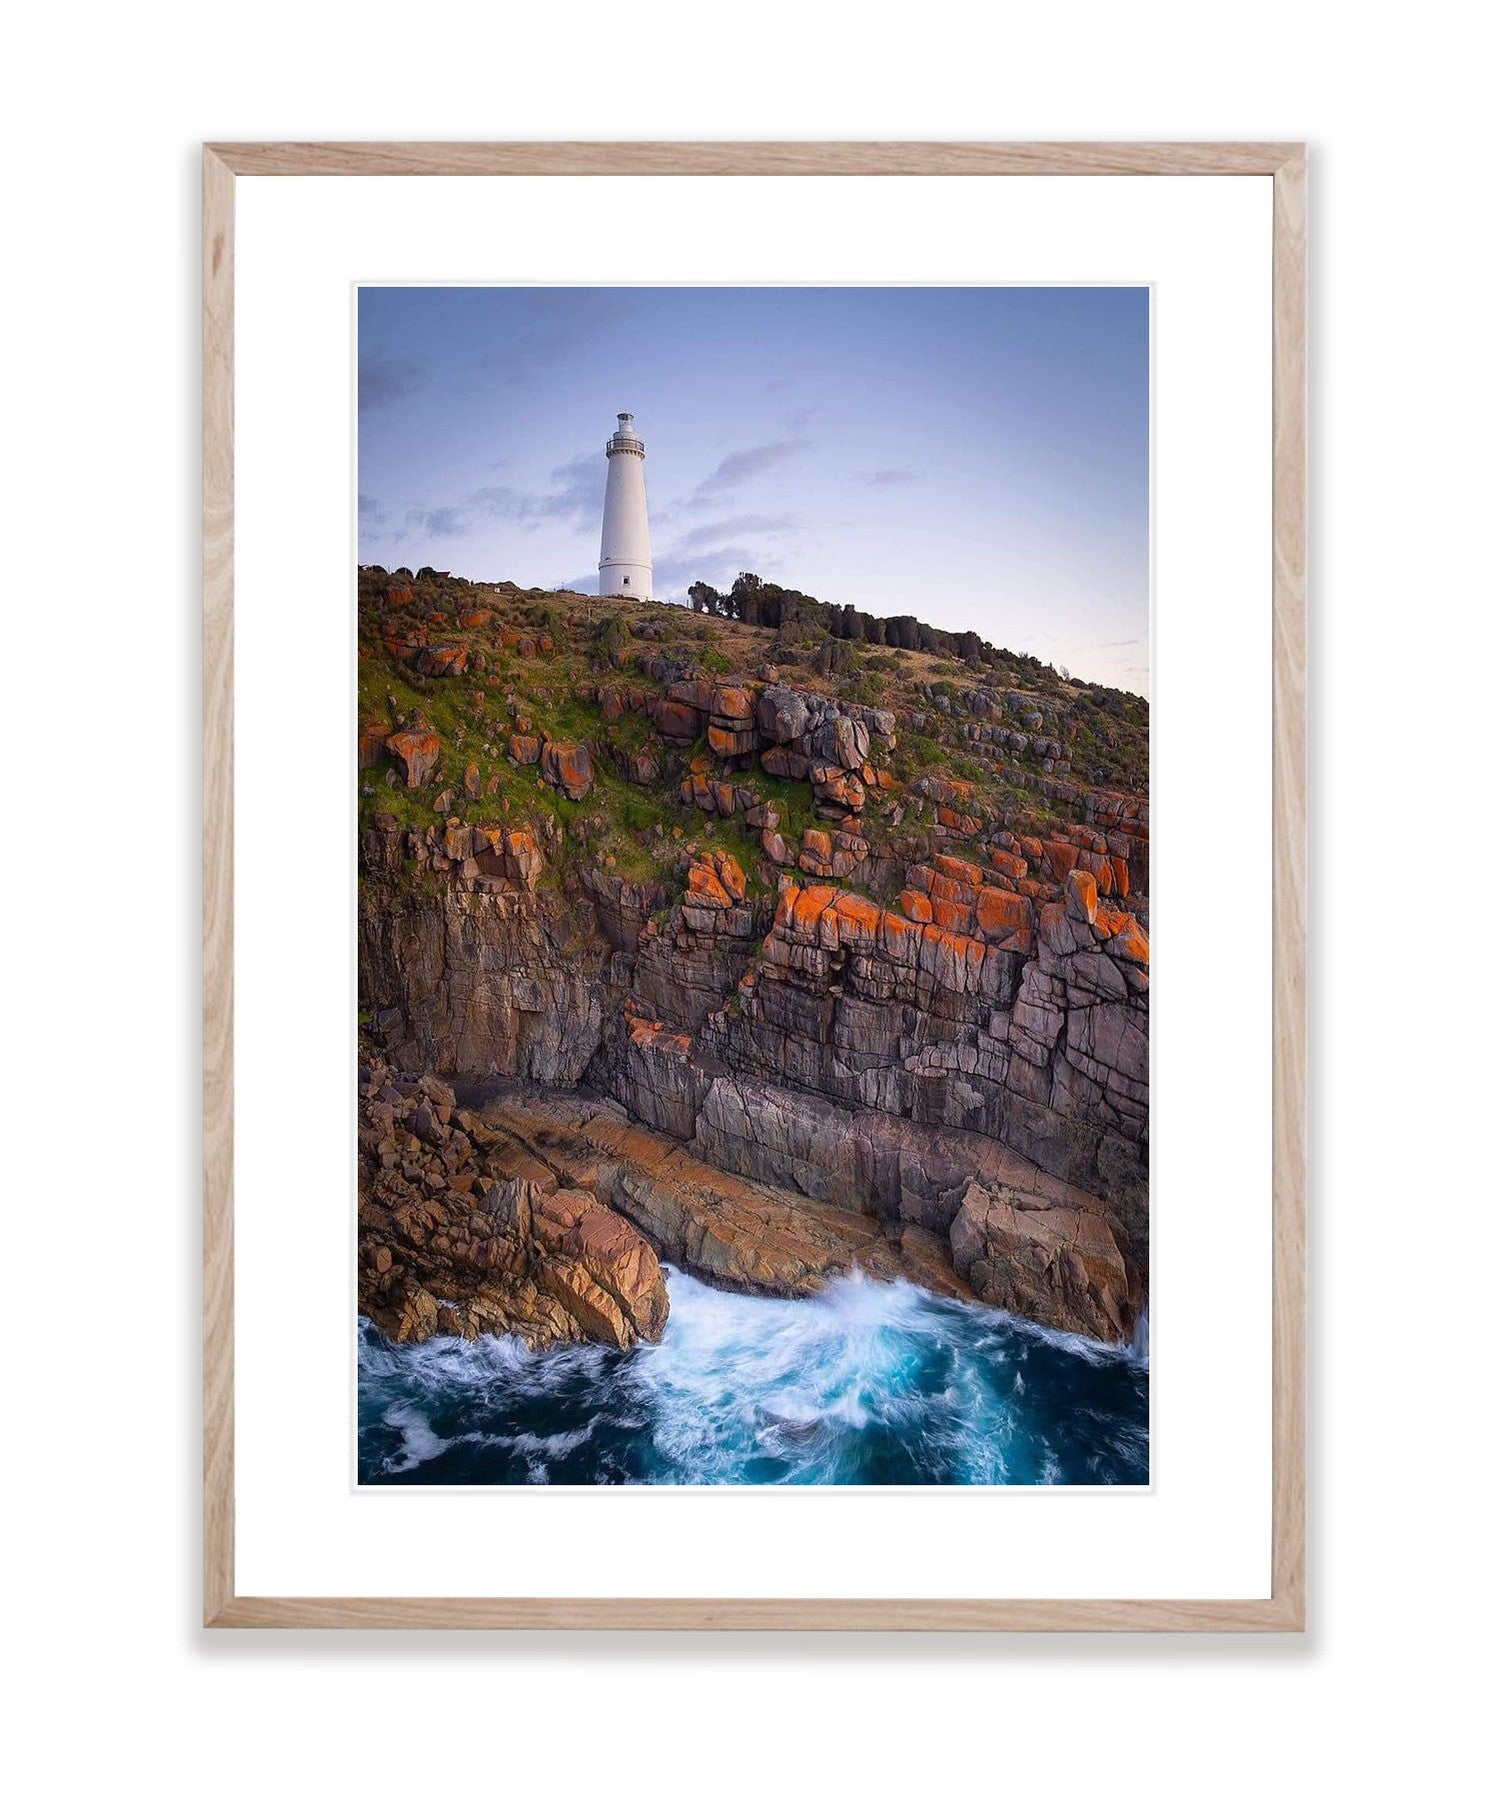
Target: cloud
[440,521]
[743,465]
[890,477]
[576,493]
[383,380]
[371,510]
[724,530]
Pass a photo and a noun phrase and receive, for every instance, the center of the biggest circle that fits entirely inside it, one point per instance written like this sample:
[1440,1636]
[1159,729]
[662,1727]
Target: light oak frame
[1285,1609]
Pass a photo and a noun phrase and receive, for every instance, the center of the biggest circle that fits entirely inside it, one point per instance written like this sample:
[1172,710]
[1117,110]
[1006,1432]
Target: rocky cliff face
[928,1020]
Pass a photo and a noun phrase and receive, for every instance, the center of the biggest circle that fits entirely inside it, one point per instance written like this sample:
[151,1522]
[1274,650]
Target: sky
[977,456]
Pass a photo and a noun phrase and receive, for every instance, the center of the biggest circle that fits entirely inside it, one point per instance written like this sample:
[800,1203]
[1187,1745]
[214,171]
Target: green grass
[791,799]
[1101,730]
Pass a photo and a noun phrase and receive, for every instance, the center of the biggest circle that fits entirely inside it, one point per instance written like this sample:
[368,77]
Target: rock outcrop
[736,1233]
[567,766]
[460,1233]
[414,752]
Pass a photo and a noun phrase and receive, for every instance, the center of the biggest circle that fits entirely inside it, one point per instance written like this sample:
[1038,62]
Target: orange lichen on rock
[716,880]
[999,913]
[446,659]
[858,920]
[414,753]
[732,703]
[568,766]
[952,915]
[650,1034]
[725,741]
[1060,859]
[804,907]
[1081,895]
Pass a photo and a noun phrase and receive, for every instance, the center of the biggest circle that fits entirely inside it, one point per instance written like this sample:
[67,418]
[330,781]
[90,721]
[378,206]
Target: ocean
[864,1383]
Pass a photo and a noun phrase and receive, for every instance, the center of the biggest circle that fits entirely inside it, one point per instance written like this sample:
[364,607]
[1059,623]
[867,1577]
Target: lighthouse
[625,554]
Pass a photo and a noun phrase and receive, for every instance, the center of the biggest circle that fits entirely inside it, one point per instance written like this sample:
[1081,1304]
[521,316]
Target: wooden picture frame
[1285,163]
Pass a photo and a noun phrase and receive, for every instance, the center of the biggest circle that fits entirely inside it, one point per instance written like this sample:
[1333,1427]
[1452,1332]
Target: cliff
[795,954]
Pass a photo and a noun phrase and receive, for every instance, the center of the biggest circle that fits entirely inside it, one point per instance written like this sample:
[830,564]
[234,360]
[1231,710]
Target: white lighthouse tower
[625,556]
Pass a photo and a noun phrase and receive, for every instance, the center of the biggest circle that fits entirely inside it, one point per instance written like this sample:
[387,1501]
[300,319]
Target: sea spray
[864,1383]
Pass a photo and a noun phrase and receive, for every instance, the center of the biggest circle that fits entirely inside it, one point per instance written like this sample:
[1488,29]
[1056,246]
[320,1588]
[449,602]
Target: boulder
[816,856]
[732,705]
[1058,1264]
[443,659]
[782,715]
[725,740]
[716,881]
[835,791]
[1081,896]
[677,722]
[415,754]
[785,764]
[569,767]
[372,738]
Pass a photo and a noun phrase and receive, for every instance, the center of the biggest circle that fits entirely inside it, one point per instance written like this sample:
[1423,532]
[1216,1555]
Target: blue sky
[976,456]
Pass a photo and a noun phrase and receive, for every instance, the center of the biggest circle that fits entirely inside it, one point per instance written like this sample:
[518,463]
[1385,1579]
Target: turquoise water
[867,1383]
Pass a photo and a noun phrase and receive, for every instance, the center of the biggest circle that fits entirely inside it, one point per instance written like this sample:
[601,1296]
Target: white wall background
[117,1684]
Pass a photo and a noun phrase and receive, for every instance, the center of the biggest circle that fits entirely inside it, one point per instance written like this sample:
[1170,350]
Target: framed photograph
[754,805]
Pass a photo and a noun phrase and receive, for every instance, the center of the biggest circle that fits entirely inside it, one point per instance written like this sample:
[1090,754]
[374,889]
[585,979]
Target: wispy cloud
[383,380]
[890,477]
[440,521]
[725,530]
[740,466]
[371,510]
[576,494]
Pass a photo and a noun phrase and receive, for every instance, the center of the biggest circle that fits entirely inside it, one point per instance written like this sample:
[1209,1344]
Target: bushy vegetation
[757,602]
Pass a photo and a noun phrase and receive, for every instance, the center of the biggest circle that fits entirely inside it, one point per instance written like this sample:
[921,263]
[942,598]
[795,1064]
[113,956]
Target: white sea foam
[419,1443]
[863,1381]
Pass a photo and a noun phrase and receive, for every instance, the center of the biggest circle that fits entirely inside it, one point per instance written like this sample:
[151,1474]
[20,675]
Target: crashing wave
[867,1382]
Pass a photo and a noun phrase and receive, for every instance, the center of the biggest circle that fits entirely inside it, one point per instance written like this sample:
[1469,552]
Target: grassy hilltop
[520,699]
